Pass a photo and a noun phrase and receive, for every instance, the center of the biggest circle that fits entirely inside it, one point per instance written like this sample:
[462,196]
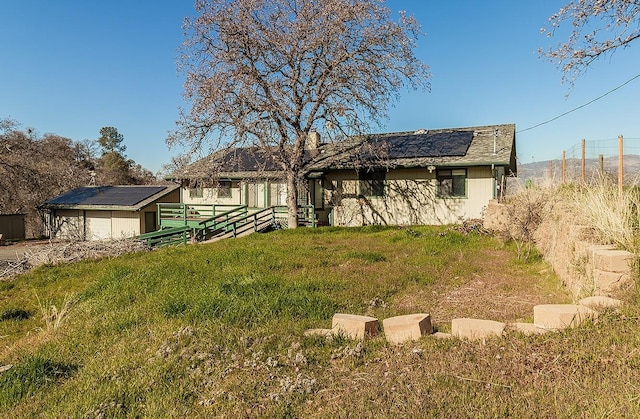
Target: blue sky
[72,67]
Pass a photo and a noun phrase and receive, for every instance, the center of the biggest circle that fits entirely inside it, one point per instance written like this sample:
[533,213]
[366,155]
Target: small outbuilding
[106,212]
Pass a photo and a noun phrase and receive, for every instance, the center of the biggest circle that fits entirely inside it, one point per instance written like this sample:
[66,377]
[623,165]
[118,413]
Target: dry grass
[614,217]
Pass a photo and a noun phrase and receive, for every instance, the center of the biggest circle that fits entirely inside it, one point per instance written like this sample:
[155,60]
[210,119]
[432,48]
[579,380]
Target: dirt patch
[15,251]
[501,289]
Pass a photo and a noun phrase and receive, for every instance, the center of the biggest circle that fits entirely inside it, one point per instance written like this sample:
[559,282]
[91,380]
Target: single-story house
[420,177]
[106,212]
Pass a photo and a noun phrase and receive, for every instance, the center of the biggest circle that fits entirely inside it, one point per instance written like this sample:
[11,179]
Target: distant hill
[539,171]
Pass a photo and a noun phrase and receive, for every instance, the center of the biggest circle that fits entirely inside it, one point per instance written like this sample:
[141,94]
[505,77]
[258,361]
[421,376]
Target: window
[372,183]
[196,192]
[278,194]
[224,189]
[452,182]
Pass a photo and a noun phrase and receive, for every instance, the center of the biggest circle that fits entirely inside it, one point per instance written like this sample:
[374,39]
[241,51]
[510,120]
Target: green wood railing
[174,214]
[206,221]
[166,237]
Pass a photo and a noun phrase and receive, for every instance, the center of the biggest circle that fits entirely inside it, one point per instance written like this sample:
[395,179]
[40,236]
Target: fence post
[583,169]
[620,165]
[601,165]
[564,166]
[551,171]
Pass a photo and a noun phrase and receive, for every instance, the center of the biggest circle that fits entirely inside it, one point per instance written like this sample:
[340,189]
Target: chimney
[313,141]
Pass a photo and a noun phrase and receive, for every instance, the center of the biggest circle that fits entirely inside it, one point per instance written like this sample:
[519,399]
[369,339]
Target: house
[420,177]
[106,212]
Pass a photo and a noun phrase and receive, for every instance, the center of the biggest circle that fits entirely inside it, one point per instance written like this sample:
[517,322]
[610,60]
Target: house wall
[210,196]
[95,224]
[125,224]
[67,224]
[258,194]
[410,199]
[151,212]
[98,225]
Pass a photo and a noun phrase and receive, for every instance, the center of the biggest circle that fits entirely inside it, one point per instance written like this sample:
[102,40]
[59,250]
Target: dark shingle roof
[124,197]
[236,163]
[471,146]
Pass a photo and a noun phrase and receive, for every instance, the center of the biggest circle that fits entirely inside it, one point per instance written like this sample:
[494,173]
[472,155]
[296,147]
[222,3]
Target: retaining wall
[585,267]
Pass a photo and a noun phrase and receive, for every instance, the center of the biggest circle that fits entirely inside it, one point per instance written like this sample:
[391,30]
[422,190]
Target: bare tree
[33,169]
[599,27]
[266,73]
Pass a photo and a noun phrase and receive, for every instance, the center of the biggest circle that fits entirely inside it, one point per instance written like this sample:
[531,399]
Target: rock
[400,329]
[528,328]
[597,301]
[561,316]
[474,329]
[354,326]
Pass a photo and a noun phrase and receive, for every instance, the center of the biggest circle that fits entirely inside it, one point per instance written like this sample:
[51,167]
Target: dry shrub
[53,317]
[526,210]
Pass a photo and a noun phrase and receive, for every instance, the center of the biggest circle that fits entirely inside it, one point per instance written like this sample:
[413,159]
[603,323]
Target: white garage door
[98,225]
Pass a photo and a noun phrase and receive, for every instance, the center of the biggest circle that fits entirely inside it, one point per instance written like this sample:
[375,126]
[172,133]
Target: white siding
[410,199]
[125,224]
[67,225]
[210,196]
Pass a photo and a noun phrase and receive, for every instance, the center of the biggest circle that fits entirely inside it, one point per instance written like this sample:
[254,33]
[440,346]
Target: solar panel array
[437,144]
[106,195]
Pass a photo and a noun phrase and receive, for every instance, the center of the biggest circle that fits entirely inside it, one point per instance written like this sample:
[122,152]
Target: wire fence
[617,159]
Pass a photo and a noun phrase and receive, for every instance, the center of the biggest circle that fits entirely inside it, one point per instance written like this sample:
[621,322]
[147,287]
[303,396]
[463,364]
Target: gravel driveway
[14,251]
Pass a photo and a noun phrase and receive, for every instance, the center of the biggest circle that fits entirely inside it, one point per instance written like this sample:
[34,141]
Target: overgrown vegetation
[525,212]
[614,216]
[217,330]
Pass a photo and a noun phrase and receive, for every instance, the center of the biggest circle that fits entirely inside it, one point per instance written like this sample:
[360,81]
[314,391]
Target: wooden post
[551,170]
[583,170]
[564,166]
[601,165]
[620,165]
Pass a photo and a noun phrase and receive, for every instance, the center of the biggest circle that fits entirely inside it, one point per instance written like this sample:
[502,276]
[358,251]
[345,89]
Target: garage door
[98,225]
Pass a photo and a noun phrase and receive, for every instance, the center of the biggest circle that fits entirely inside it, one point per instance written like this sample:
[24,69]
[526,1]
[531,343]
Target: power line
[581,106]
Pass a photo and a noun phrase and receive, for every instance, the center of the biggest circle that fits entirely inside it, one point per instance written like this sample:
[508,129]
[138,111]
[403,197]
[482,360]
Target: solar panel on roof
[437,144]
[106,195]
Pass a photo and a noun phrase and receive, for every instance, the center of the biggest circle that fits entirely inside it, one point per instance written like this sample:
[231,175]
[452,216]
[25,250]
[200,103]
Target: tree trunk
[292,200]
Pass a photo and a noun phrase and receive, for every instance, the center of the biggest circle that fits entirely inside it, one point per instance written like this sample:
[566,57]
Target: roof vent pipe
[495,141]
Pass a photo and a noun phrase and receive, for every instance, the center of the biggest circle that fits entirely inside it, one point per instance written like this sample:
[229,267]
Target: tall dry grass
[612,215]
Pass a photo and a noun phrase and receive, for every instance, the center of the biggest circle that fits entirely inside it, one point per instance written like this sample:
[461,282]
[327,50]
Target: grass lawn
[217,330]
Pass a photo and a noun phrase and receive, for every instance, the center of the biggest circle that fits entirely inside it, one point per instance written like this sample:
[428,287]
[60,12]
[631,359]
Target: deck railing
[181,222]
[166,237]
[174,214]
